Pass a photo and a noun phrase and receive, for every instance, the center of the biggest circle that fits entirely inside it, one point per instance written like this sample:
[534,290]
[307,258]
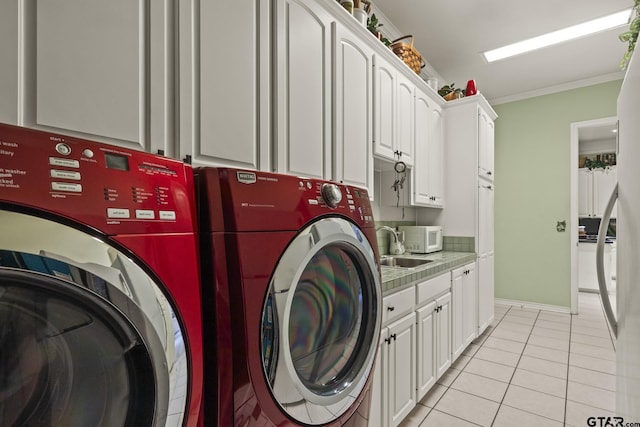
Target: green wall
[532,259]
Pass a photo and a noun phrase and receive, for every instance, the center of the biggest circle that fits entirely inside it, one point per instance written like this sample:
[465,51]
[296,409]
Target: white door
[402,368]
[426,349]
[353,151]
[421,173]
[384,108]
[585,192]
[443,334]
[223,82]
[469,305]
[303,89]
[101,70]
[457,311]
[404,118]
[435,156]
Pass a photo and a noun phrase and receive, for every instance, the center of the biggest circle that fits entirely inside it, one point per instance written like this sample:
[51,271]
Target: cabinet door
[604,180]
[420,173]
[443,334]
[426,349]
[469,305]
[485,217]
[303,88]
[404,118]
[435,156]
[378,387]
[485,291]
[585,192]
[457,312]
[485,145]
[402,368]
[11,18]
[384,108]
[101,70]
[224,98]
[353,154]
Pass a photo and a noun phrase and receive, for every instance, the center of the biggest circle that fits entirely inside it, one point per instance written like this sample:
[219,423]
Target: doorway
[589,135]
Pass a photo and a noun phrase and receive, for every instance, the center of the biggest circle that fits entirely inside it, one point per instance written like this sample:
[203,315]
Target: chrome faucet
[396,247]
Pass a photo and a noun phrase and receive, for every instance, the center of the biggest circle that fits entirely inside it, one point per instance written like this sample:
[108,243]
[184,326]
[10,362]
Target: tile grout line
[566,391]
[515,369]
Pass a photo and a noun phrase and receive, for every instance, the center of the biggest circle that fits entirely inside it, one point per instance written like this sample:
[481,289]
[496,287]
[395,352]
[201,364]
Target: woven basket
[408,53]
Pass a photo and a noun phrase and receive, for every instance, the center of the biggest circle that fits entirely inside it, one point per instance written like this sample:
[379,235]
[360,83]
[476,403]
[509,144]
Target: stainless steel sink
[403,262]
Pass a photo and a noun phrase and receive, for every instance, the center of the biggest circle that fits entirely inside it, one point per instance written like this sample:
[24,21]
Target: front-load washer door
[321,320]
[87,338]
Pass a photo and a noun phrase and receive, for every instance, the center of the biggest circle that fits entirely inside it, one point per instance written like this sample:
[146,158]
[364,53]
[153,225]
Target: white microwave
[422,239]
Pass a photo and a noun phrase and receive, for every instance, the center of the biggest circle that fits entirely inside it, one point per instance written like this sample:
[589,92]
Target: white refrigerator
[628,242]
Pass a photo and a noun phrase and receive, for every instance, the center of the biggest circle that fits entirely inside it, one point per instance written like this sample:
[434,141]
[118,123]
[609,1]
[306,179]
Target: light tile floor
[530,368]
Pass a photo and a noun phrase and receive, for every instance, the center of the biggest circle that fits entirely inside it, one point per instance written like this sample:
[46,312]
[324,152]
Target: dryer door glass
[326,319]
[94,340]
[321,321]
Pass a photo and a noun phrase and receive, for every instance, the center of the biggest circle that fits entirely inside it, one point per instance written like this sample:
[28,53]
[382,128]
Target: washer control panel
[114,189]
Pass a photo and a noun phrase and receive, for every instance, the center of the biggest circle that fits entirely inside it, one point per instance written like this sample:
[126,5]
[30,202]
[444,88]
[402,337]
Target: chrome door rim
[290,392]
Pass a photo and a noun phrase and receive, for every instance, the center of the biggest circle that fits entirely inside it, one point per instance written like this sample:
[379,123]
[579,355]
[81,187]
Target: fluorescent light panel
[555,37]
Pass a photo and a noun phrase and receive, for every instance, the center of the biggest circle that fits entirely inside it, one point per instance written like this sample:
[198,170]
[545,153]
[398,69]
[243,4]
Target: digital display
[117,161]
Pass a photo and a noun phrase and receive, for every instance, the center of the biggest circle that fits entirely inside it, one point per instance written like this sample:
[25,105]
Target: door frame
[573,222]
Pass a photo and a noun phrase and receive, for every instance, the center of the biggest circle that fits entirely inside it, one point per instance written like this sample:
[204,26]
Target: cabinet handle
[489,173]
[393,336]
[390,308]
[387,340]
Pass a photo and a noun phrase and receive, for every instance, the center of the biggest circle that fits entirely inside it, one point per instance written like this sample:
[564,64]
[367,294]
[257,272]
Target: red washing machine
[100,320]
[292,299]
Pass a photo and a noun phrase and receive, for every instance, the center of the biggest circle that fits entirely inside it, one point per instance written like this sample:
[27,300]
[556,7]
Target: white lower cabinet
[394,389]
[401,351]
[485,291]
[434,342]
[463,294]
[416,344]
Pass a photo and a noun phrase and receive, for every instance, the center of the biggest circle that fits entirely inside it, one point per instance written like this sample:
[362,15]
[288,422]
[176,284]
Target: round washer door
[87,336]
[321,321]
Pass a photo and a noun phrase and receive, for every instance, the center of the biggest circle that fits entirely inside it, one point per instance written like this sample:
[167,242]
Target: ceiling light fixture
[559,36]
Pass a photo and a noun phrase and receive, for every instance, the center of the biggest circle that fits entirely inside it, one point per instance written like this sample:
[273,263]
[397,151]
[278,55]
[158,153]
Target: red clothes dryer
[292,297]
[100,321]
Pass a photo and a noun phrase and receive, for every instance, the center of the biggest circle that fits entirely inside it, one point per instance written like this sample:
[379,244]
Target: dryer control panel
[113,189]
[243,200]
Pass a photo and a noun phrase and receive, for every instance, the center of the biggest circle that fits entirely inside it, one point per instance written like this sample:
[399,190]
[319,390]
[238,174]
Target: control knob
[331,194]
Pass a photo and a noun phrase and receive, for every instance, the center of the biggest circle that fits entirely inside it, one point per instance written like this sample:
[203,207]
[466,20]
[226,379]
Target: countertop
[396,278]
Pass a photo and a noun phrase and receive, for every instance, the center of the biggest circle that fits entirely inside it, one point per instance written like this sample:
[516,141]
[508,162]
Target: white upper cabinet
[594,189]
[94,69]
[384,95]
[224,86]
[428,181]
[353,141]
[393,111]
[485,145]
[404,118]
[585,192]
[303,88]
[12,50]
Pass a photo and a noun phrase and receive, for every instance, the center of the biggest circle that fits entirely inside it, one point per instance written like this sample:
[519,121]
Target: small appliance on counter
[422,239]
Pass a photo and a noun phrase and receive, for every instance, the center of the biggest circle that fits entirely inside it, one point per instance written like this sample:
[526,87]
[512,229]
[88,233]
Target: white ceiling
[451,34]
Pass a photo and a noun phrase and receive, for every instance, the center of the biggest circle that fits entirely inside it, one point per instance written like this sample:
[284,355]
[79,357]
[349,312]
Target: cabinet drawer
[427,291]
[397,305]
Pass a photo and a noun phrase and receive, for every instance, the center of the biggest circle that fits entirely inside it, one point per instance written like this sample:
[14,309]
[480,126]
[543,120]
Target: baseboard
[533,305]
